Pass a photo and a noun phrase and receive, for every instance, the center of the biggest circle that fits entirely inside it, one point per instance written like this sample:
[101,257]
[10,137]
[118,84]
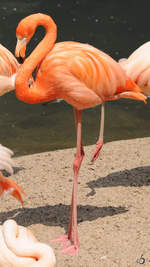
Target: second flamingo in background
[8,68]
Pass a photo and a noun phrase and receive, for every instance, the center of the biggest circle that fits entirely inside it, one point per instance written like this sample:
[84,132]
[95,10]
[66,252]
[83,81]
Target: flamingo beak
[21,47]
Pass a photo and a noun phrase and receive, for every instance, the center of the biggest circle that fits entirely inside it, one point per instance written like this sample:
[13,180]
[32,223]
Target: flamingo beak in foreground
[21,47]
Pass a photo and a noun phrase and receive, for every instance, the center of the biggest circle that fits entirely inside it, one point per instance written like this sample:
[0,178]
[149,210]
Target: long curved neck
[23,91]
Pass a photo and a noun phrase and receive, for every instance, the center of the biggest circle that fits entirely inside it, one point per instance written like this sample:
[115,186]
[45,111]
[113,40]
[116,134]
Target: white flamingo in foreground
[137,67]
[20,248]
[8,68]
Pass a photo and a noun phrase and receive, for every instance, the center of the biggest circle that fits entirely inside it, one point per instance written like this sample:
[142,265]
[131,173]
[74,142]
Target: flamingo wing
[8,63]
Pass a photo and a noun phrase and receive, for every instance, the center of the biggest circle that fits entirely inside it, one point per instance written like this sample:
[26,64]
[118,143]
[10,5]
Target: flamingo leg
[72,242]
[76,168]
[100,142]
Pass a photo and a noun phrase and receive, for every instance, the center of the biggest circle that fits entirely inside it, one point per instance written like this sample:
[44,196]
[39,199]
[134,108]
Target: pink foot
[61,239]
[98,147]
[68,247]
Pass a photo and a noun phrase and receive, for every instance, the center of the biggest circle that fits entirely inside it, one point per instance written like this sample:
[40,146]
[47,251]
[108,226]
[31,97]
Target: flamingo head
[24,32]
[27,27]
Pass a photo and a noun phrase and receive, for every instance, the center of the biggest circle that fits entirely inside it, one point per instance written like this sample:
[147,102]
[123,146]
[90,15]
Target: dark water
[114,26]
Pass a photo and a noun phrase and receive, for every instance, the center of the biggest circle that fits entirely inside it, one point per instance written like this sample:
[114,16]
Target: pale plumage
[8,68]
[6,162]
[78,73]
[20,248]
[137,67]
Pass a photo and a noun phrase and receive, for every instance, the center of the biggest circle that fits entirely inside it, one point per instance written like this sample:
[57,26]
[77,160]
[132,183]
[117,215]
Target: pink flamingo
[78,73]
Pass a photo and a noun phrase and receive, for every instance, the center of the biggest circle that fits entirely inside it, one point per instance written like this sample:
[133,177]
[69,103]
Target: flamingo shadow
[136,177]
[58,215]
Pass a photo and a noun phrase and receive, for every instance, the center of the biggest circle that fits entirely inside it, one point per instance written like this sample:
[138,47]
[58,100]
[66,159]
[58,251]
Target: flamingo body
[19,248]
[80,74]
[8,68]
[137,67]
[8,63]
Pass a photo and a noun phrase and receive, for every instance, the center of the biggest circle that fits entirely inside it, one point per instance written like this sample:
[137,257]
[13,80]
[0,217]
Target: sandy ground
[113,203]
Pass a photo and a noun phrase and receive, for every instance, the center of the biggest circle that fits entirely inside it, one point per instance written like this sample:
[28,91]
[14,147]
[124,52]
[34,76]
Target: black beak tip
[20,60]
